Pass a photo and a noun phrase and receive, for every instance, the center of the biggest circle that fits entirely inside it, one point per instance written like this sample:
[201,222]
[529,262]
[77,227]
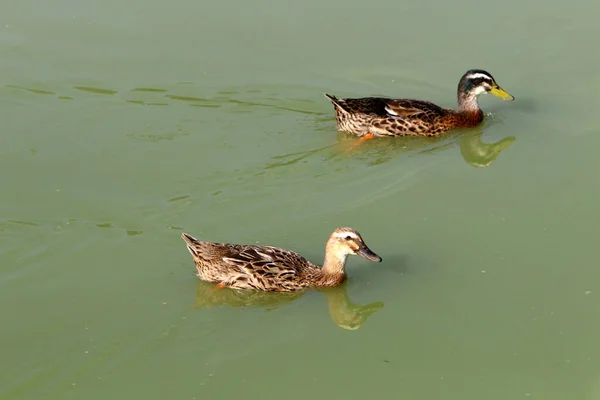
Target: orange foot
[366,137]
[220,285]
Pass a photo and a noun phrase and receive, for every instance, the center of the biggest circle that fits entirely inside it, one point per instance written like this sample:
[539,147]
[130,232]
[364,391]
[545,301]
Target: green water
[125,123]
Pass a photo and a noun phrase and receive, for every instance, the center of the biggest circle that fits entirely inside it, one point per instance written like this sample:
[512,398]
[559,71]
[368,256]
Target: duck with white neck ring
[273,269]
[370,117]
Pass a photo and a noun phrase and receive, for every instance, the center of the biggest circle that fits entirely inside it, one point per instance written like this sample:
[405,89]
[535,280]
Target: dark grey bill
[368,254]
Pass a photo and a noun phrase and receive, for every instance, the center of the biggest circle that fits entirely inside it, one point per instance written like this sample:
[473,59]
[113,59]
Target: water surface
[127,123]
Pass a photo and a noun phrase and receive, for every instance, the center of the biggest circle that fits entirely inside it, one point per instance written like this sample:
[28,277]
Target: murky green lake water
[125,123]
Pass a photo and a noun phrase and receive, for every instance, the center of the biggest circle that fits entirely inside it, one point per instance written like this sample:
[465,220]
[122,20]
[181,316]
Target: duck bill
[365,252]
[499,92]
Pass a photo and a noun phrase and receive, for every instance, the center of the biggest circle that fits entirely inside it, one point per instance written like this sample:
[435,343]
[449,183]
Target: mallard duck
[273,269]
[369,117]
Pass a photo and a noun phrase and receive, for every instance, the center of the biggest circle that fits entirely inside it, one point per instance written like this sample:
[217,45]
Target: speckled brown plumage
[273,269]
[400,117]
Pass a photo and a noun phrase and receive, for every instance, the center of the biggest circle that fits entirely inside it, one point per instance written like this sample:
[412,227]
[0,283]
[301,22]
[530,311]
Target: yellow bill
[499,92]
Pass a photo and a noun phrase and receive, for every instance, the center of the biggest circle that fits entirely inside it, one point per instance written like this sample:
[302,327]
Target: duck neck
[334,264]
[467,103]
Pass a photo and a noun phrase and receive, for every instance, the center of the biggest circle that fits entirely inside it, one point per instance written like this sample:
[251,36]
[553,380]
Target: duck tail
[189,239]
[190,242]
[332,98]
[337,103]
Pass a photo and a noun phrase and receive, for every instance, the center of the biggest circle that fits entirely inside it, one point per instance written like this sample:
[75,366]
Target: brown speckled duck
[273,269]
[369,117]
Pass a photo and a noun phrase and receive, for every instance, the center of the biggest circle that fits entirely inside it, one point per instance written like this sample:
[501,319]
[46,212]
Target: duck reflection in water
[343,312]
[377,151]
[474,151]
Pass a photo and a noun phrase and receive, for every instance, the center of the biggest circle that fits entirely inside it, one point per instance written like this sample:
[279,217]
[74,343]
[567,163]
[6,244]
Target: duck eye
[348,238]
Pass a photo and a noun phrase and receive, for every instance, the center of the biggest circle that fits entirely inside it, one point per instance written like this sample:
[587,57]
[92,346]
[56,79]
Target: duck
[370,117]
[272,269]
